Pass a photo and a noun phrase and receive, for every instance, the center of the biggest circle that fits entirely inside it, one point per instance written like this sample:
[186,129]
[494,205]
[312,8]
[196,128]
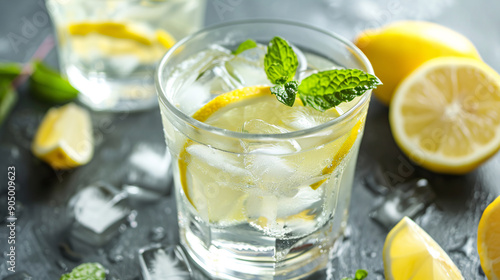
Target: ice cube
[160,263]
[306,117]
[408,199]
[217,159]
[248,67]
[151,160]
[99,211]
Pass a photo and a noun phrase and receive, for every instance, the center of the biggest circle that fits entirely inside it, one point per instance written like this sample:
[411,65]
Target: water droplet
[157,234]
[465,247]
[62,265]
[131,219]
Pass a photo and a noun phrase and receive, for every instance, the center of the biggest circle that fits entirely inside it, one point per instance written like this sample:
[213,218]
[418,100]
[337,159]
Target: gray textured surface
[452,220]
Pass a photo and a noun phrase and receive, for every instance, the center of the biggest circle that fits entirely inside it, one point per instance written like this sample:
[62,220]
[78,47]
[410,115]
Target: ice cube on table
[407,199]
[99,211]
[159,263]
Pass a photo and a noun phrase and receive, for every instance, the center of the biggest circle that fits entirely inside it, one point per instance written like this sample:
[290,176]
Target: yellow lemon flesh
[488,240]
[399,48]
[221,194]
[64,138]
[116,38]
[411,254]
[445,115]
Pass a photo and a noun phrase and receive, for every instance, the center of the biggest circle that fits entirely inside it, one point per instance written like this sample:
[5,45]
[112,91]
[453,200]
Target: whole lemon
[399,48]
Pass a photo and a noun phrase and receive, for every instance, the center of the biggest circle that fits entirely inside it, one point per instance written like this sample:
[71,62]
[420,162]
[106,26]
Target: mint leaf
[8,98]
[285,93]
[360,274]
[280,61]
[246,45]
[87,271]
[48,85]
[328,89]
[10,70]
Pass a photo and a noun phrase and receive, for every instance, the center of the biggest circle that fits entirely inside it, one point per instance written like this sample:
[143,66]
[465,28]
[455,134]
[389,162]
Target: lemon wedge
[488,237]
[445,115]
[411,254]
[399,48]
[64,138]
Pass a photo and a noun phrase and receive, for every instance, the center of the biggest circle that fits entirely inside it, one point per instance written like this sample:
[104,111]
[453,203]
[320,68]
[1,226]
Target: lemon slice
[488,237]
[64,138]
[110,29]
[445,115]
[399,48]
[411,254]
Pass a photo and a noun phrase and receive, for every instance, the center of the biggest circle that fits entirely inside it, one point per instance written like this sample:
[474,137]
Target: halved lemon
[411,254]
[64,138]
[488,240]
[445,116]
[216,182]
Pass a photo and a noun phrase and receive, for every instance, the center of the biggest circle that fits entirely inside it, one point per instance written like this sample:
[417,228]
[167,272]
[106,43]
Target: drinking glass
[109,48]
[261,213]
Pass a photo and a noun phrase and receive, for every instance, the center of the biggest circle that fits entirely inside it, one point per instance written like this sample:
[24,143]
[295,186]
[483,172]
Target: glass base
[101,93]
[217,255]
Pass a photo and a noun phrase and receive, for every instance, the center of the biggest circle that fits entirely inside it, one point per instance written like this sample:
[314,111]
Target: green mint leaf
[9,70]
[246,45]
[360,274]
[8,98]
[328,89]
[286,93]
[87,271]
[46,84]
[280,61]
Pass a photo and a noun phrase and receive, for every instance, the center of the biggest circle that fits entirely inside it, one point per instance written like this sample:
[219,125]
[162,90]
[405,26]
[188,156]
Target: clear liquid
[256,212]
[116,72]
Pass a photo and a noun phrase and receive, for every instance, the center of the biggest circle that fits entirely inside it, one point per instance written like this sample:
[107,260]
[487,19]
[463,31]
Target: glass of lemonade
[110,48]
[262,189]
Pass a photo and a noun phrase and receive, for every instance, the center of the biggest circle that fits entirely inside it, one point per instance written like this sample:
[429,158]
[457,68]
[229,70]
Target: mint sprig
[328,89]
[360,275]
[88,271]
[280,61]
[322,90]
[246,45]
[48,85]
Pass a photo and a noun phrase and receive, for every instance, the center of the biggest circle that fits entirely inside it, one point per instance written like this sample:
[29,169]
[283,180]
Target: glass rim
[253,136]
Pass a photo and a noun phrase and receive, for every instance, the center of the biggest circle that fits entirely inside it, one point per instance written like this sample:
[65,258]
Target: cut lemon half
[488,240]
[217,183]
[411,254]
[64,138]
[445,115]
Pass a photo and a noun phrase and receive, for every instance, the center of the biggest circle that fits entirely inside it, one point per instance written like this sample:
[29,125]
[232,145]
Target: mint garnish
[48,85]
[87,271]
[9,70]
[8,98]
[328,89]
[360,275]
[322,90]
[280,61]
[285,93]
[246,45]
